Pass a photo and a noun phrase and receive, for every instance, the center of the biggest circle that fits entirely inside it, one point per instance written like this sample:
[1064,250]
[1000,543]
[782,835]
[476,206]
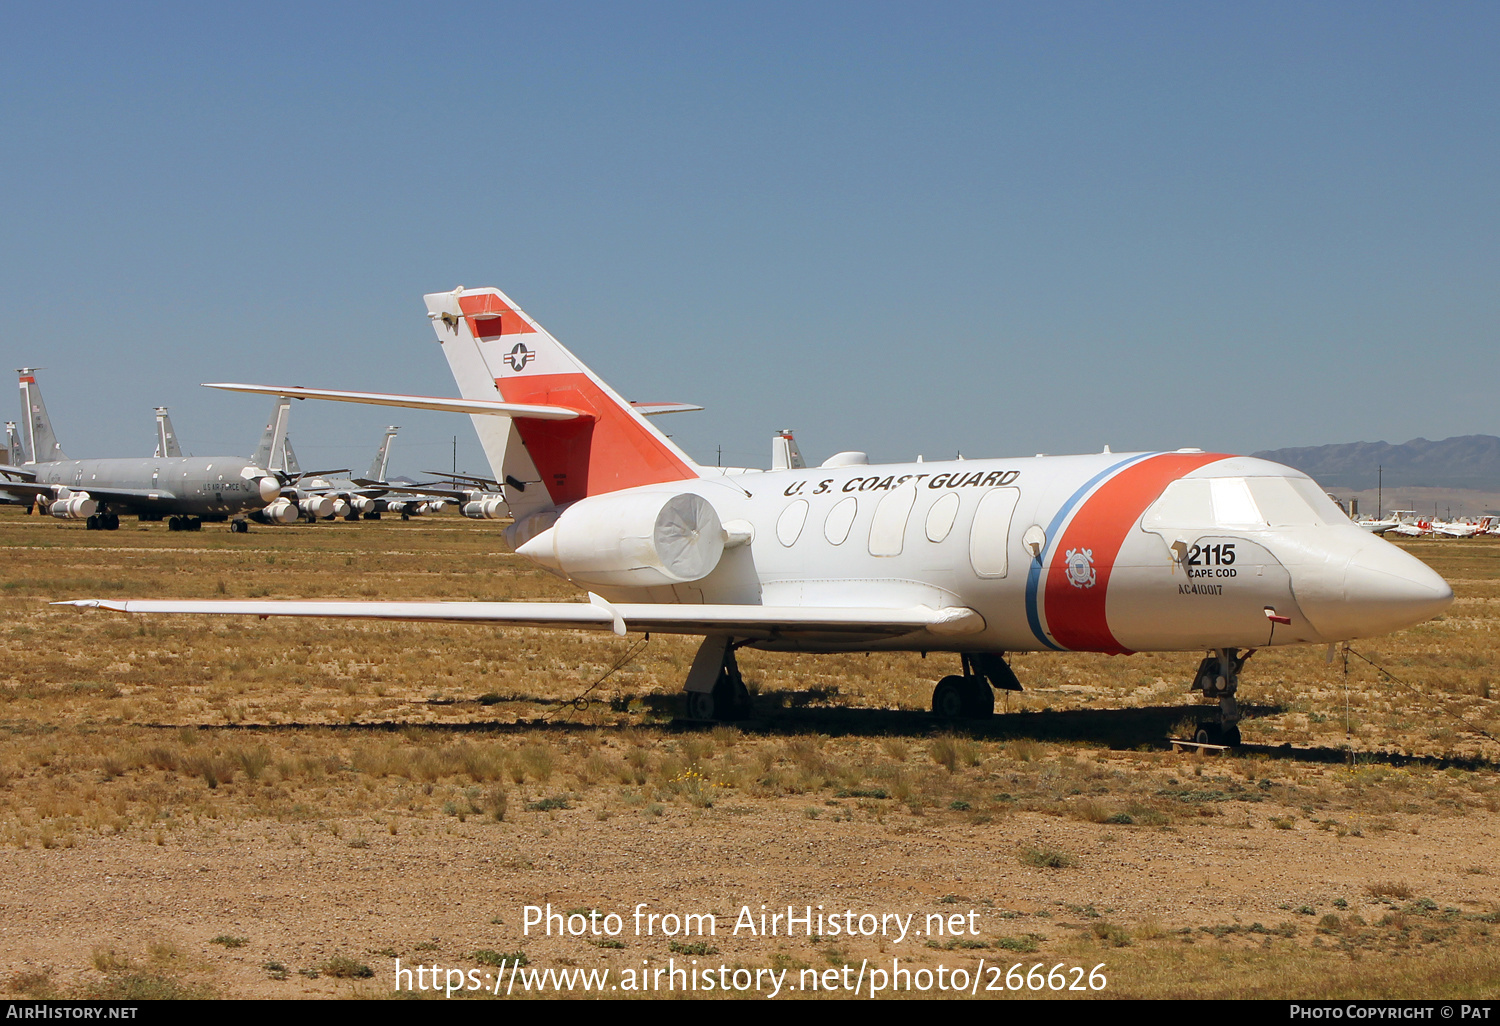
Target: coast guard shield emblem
[1081,567]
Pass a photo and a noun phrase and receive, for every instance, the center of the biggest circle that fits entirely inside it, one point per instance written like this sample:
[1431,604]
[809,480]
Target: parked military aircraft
[188,489]
[1111,552]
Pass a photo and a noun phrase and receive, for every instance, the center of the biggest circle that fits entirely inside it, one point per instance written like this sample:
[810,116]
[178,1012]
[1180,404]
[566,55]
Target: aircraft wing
[17,472]
[118,496]
[742,621]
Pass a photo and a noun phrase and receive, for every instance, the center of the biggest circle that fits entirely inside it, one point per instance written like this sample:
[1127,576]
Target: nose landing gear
[1218,677]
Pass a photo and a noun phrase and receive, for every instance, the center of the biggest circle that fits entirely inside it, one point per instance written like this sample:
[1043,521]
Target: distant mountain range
[1468,461]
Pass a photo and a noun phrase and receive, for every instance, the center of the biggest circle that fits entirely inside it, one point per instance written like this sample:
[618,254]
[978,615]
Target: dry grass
[151,729]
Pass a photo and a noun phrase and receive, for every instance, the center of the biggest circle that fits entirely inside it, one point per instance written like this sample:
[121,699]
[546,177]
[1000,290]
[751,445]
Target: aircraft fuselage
[184,486]
[1113,552]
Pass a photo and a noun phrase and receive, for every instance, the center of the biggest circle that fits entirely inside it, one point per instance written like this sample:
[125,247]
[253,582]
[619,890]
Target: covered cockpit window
[1244,503]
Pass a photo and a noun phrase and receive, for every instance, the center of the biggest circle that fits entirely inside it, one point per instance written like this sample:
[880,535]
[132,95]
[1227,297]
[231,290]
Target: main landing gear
[971,695]
[715,689]
[102,522]
[1218,677]
[184,524]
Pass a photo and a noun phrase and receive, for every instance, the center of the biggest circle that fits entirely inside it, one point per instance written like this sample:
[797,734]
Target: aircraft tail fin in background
[40,443]
[383,457]
[784,452]
[15,452]
[166,438]
[275,451]
[497,352]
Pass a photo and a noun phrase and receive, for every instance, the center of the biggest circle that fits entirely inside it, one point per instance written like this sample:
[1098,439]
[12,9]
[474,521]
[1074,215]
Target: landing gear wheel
[1230,735]
[701,705]
[174,523]
[111,522]
[1204,735]
[979,698]
[239,527]
[92,523]
[949,698]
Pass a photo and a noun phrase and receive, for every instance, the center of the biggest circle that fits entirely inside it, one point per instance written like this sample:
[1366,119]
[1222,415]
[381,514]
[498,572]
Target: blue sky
[908,228]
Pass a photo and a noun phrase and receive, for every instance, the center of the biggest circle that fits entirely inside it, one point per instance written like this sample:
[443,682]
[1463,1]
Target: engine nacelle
[434,506]
[485,509]
[282,511]
[75,506]
[340,508]
[316,506]
[362,504]
[632,540]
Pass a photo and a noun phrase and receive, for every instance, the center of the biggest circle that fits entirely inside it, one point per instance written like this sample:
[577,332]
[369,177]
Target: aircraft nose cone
[1385,589]
[270,488]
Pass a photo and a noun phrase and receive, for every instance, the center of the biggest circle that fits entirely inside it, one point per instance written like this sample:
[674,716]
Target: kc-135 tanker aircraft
[188,489]
[1109,552]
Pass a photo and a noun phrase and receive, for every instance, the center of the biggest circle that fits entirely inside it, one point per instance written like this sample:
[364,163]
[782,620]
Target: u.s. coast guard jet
[1112,552]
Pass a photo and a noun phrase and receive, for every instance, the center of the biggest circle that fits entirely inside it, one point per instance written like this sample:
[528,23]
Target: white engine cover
[632,540]
[73,506]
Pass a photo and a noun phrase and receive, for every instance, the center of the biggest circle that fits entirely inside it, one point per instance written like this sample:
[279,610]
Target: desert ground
[230,807]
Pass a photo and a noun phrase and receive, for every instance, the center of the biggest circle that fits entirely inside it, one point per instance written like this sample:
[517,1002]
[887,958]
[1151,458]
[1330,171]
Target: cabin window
[989,539]
[941,516]
[840,519]
[789,524]
[888,525]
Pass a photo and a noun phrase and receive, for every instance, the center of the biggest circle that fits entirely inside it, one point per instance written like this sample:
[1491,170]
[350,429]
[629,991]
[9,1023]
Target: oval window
[789,524]
[840,519]
[940,517]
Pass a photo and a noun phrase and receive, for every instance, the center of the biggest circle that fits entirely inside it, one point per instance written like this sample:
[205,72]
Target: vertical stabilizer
[15,452]
[784,452]
[36,427]
[272,451]
[383,457]
[285,459]
[166,438]
[497,352]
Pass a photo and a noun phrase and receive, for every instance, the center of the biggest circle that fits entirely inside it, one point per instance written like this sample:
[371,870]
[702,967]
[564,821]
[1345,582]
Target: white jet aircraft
[1112,552]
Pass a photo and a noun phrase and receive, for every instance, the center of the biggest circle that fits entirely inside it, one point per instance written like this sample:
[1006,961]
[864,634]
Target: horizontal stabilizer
[742,621]
[654,409]
[413,402]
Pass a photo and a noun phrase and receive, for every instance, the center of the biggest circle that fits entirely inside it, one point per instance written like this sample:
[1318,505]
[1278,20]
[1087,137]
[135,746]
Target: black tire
[949,699]
[112,522]
[92,523]
[979,698]
[174,523]
[700,705]
[1231,736]
[1205,734]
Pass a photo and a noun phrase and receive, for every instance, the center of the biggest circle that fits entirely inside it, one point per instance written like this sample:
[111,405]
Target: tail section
[497,352]
[784,452]
[15,453]
[274,452]
[40,442]
[383,457]
[166,438]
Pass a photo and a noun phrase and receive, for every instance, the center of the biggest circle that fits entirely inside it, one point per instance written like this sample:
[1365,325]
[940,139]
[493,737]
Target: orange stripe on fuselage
[1076,615]
[602,452]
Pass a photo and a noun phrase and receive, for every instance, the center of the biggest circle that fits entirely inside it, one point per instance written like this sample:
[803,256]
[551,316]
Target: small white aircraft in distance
[1110,552]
